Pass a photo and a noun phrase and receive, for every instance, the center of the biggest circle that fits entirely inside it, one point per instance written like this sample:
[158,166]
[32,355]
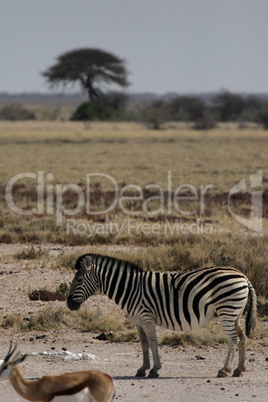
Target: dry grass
[30,253]
[117,330]
[248,254]
[212,335]
[132,154]
[59,317]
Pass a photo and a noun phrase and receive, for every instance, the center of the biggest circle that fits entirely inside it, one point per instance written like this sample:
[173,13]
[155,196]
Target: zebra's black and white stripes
[179,301]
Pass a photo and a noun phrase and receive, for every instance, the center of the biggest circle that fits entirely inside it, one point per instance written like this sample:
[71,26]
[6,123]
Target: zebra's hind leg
[242,349]
[150,332]
[230,330]
[145,350]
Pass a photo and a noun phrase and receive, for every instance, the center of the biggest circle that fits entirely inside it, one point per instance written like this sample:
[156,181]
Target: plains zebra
[179,301]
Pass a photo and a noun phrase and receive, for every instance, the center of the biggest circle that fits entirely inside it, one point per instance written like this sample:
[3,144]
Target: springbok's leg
[145,350]
[150,332]
[242,349]
[230,330]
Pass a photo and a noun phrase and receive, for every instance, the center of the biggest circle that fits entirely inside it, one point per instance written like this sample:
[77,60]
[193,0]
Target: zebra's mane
[99,257]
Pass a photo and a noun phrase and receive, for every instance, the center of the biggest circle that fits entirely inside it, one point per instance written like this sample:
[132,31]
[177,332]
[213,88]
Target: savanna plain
[156,197]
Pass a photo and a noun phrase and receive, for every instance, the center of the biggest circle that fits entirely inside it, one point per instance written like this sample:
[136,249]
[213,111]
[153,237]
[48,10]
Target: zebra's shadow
[133,378]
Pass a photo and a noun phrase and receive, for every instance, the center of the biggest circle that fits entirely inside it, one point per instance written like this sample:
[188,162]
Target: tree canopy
[89,67]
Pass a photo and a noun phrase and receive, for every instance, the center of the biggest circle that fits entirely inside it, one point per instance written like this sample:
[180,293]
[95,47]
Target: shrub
[45,295]
[153,120]
[186,108]
[206,122]
[106,108]
[263,118]
[30,254]
[54,318]
[207,336]
[228,105]
[155,115]
[15,113]
[91,111]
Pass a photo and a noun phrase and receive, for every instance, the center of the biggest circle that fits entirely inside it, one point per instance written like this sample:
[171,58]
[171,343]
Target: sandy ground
[183,377]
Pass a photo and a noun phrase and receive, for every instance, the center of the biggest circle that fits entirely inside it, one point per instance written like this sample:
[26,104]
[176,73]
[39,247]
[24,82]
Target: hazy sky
[169,45]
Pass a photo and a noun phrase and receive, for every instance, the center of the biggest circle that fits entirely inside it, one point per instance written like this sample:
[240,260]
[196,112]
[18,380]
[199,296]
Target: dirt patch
[187,374]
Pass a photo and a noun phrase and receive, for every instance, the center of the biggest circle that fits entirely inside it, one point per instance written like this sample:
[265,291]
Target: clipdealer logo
[150,200]
[50,198]
[255,221]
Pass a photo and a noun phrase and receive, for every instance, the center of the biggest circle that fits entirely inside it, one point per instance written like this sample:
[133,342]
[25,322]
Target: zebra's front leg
[150,332]
[145,350]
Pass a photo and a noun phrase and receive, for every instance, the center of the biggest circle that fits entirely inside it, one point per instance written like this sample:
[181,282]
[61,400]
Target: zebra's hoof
[237,373]
[153,374]
[222,373]
[140,373]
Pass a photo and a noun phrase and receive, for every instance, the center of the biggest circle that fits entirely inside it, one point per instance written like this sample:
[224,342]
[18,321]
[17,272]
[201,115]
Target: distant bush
[263,118]
[224,106]
[252,106]
[16,113]
[229,106]
[108,107]
[154,115]
[206,122]
[49,113]
[186,108]
[91,111]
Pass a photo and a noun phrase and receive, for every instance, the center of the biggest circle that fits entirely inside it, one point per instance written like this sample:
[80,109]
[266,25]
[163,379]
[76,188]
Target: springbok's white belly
[82,396]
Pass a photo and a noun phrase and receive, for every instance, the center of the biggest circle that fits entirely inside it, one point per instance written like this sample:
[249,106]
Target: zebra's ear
[87,262]
[83,262]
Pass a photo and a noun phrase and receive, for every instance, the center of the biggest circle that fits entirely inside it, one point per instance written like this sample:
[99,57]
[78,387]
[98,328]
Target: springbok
[81,386]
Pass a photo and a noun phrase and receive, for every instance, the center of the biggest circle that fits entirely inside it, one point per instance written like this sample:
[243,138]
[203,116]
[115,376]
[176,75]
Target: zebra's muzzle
[72,304]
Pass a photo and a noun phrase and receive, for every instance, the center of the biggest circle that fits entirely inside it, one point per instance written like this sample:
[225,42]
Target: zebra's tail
[251,316]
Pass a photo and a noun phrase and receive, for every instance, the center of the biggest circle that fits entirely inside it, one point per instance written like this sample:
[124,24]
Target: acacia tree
[88,67]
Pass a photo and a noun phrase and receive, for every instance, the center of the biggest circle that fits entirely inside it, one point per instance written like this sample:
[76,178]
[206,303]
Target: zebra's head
[85,282]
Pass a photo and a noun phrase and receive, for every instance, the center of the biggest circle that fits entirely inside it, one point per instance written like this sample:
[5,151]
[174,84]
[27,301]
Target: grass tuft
[45,295]
[54,318]
[210,335]
[31,253]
